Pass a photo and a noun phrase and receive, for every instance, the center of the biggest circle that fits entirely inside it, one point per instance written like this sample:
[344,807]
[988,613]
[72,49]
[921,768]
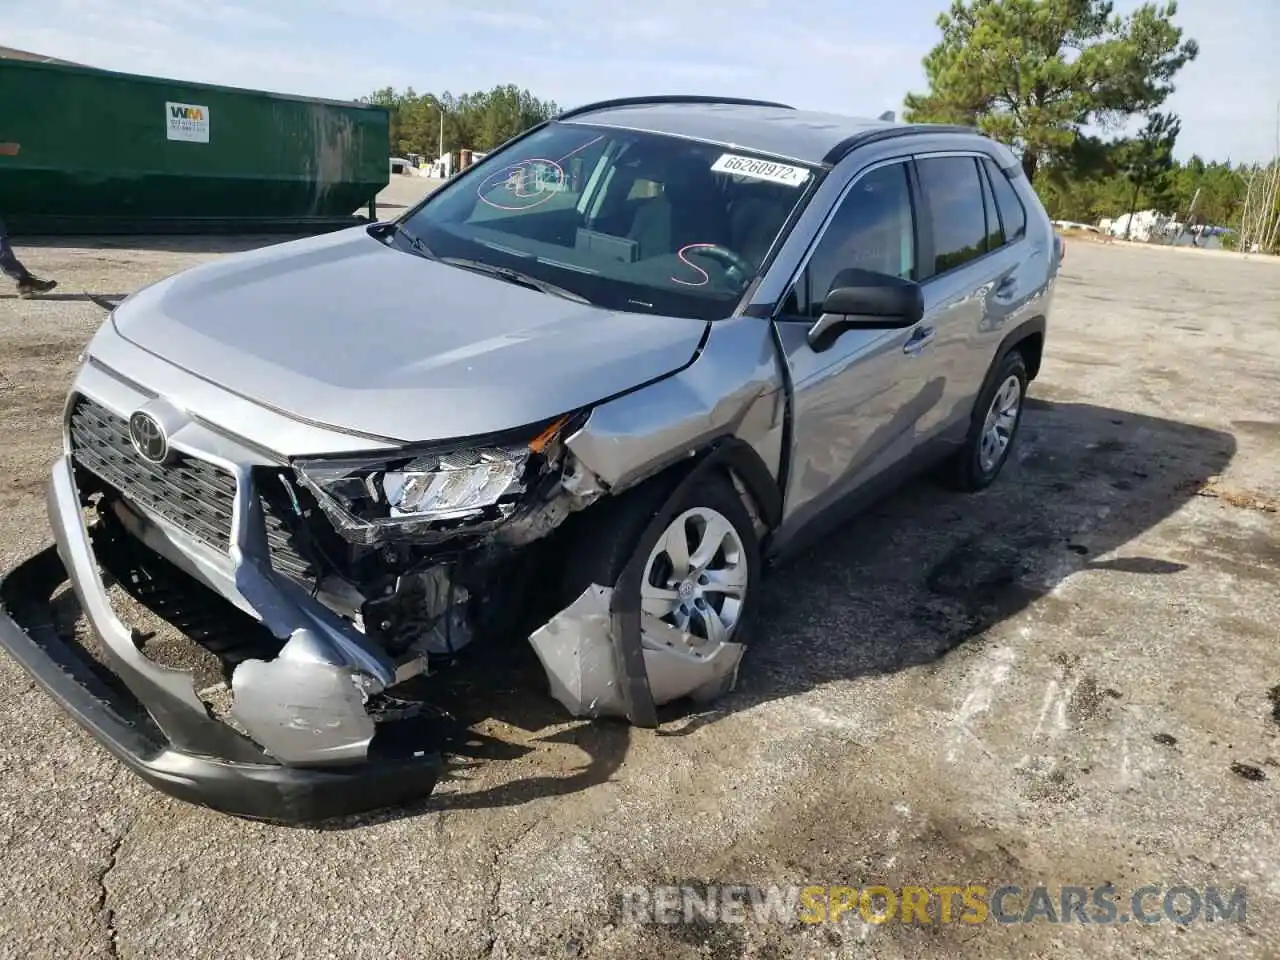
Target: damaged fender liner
[261,789]
[624,606]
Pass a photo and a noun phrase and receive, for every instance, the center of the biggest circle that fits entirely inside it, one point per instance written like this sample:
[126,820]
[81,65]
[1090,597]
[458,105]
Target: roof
[803,135]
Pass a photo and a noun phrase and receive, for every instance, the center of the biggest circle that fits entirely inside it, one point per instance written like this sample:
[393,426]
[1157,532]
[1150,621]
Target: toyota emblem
[148,438]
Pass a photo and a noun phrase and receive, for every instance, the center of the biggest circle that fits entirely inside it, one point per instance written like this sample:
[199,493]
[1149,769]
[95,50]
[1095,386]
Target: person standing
[29,285]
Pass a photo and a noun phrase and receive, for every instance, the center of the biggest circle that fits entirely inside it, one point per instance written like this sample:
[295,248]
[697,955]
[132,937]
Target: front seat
[651,228]
[690,210]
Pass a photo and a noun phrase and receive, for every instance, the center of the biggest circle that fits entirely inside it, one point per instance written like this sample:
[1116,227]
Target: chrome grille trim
[194,495]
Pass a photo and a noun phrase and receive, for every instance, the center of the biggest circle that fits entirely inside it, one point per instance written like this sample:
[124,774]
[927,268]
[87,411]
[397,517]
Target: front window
[873,229]
[629,221]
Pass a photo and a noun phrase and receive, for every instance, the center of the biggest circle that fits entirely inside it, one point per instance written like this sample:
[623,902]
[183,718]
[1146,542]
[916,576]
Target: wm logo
[186,113]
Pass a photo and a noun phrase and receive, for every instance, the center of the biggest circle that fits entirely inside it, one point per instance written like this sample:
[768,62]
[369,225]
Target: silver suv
[576,397]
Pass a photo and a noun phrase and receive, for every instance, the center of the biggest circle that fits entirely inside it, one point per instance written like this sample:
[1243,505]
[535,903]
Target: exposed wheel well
[1032,349]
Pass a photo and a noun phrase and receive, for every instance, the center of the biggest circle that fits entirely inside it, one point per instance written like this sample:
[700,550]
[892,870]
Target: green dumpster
[106,152]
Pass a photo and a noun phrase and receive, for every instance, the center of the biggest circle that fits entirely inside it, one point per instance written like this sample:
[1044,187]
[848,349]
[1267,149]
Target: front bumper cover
[175,745]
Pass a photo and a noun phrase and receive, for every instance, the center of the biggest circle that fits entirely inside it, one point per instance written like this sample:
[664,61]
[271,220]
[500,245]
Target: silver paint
[733,388]
[303,708]
[343,331]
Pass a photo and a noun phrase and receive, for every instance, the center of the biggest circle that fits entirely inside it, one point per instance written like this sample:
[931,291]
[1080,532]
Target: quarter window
[995,239]
[953,195]
[1013,216]
[873,229]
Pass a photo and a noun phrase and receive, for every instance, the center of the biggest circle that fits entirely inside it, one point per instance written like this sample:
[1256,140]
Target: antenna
[888,116]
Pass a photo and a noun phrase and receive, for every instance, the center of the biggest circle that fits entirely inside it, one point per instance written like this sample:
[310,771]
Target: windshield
[625,220]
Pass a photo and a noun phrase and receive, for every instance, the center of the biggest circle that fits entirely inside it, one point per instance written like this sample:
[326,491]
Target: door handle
[920,338]
[1007,287]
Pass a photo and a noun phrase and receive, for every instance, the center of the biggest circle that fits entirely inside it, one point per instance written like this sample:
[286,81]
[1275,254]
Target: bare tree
[1260,217]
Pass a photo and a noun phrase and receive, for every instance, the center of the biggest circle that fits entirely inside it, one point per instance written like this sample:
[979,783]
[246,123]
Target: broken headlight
[455,485]
[372,501]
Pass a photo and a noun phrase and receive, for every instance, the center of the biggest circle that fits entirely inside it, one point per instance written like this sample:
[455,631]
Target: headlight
[454,485]
[370,501]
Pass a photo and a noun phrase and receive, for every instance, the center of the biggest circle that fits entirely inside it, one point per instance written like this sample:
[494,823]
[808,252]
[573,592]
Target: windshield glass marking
[525,182]
[706,277]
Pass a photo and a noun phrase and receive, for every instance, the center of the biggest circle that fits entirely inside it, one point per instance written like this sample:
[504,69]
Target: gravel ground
[1068,679]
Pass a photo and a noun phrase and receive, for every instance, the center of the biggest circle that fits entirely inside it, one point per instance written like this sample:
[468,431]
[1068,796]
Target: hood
[343,331]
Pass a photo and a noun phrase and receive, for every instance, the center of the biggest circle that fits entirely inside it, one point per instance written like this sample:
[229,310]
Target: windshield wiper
[416,242]
[514,276]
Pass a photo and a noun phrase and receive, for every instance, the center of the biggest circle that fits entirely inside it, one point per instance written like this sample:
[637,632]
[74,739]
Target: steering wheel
[737,267]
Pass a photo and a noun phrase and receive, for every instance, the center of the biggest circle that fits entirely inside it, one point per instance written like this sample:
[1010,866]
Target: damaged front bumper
[155,723]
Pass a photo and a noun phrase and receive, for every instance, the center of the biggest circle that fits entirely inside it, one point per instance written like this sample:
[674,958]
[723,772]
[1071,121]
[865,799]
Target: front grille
[190,493]
[193,495]
[286,557]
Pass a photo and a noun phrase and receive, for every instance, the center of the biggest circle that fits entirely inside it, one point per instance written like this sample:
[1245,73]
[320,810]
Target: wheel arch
[731,455]
[1028,338]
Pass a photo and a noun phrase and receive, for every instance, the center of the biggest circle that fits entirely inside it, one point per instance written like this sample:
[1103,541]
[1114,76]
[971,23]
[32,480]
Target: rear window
[1013,216]
[953,196]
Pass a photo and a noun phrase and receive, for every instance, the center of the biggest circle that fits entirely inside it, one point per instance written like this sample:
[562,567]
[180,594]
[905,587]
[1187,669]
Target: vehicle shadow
[930,569]
[108,301]
[918,574]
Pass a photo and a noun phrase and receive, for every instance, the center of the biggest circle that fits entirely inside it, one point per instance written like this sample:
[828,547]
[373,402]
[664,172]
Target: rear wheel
[996,418]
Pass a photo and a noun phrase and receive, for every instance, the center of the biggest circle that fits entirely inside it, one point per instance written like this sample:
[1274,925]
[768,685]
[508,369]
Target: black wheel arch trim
[1019,333]
[1024,330]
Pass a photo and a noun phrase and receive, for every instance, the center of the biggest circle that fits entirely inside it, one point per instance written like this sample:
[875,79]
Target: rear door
[957,281]
[972,286]
[856,402]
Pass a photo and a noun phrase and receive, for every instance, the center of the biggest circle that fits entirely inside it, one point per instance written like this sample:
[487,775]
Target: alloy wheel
[696,577]
[1002,418]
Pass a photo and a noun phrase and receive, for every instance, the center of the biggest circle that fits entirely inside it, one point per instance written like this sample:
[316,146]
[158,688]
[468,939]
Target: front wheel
[701,572]
[997,415]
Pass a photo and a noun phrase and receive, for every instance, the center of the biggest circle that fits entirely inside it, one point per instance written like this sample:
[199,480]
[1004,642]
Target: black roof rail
[668,98]
[848,144]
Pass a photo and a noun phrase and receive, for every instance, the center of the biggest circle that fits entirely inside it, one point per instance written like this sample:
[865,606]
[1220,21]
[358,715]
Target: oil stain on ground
[1247,771]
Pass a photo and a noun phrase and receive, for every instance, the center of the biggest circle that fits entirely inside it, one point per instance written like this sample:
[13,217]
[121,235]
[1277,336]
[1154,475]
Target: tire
[972,467]
[618,531]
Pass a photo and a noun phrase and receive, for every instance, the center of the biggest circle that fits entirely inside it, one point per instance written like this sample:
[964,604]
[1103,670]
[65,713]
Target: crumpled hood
[343,331]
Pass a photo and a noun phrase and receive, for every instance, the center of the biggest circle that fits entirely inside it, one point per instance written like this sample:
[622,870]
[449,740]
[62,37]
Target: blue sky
[850,56]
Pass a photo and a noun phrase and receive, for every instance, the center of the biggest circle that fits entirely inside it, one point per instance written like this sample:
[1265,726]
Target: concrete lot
[1072,678]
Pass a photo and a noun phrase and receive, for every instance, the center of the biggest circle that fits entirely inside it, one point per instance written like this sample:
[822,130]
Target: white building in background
[441,168]
[1146,225]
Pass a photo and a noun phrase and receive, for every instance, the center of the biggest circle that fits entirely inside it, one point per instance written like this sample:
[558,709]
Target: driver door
[857,402]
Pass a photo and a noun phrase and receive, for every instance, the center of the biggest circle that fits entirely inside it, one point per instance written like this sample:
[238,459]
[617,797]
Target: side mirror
[860,299]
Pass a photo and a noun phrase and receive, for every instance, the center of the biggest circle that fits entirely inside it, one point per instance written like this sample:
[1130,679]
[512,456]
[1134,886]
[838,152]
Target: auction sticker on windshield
[782,173]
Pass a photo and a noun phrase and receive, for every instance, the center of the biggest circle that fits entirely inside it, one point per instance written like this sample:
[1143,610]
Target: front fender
[733,391]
